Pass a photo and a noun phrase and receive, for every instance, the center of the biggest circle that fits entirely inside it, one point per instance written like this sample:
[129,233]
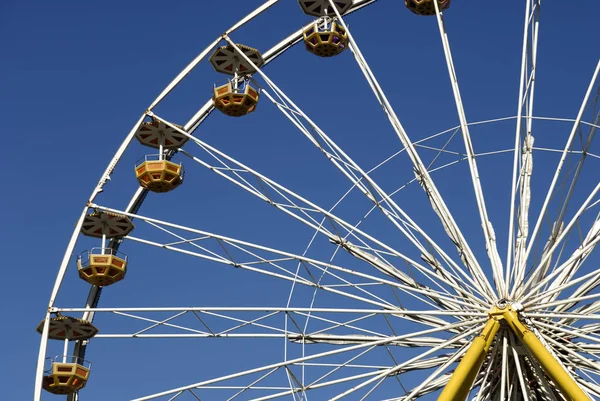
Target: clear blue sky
[75,76]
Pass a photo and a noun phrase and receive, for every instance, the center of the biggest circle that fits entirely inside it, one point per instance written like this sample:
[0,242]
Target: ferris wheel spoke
[589,280]
[488,230]
[562,274]
[545,390]
[593,85]
[268,56]
[555,340]
[274,367]
[575,362]
[360,179]
[592,383]
[566,319]
[268,323]
[571,333]
[277,257]
[421,172]
[565,301]
[304,389]
[524,111]
[432,387]
[570,270]
[307,213]
[287,274]
[399,367]
[485,383]
[590,387]
[504,375]
[557,229]
[414,393]
[290,275]
[426,256]
[388,269]
[584,289]
[518,363]
[586,310]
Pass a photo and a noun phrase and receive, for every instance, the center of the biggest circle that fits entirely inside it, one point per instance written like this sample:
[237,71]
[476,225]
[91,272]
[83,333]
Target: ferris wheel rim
[196,121]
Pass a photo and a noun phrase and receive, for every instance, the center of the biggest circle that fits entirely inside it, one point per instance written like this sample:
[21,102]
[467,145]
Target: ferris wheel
[330,266]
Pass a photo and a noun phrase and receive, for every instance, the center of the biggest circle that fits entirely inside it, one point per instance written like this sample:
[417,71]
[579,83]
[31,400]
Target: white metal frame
[458,292]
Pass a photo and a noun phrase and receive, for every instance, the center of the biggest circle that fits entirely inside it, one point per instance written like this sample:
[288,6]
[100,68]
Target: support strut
[561,378]
[466,372]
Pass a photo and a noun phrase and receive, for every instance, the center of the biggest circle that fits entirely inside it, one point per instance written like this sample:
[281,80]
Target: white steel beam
[303,359]
[590,243]
[558,227]
[69,251]
[244,244]
[488,230]
[268,56]
[589,280]
[399,367]
[520,289]
[346,159]
[262,8]
[523,147]
[421,172]
[288,195]
[404,223]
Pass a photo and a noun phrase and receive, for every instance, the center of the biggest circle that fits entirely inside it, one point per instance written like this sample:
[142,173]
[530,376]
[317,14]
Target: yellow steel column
[565,383]
[465,373]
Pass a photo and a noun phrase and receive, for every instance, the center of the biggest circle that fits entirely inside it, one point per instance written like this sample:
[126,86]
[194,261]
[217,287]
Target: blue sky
[75,76]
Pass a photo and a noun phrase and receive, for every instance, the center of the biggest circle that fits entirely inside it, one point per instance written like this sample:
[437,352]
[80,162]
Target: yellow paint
[234,103]
[466,372]
[159,175]
[325,42]
[102,270]
[66,378]
[565,383]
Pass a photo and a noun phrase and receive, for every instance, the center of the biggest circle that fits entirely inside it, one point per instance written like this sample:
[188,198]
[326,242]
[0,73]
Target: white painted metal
[458,300]
[559,168]
[226,260]
[423,175]
[264,323]
[332,218]
[208,49]
[488,230]
[397,368]
[523,146]
[399,312]
[578,252]
[346,159]
[477,322]
[400,222]
[140,194]
[69,251]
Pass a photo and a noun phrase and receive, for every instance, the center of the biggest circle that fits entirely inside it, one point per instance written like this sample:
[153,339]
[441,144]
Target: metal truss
[460,327]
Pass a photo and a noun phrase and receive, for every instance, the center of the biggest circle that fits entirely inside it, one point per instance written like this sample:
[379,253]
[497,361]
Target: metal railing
[50,361]
[84,257]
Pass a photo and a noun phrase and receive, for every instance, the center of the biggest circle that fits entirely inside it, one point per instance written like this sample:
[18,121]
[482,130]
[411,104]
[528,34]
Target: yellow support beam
[465,373]
[563,381]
